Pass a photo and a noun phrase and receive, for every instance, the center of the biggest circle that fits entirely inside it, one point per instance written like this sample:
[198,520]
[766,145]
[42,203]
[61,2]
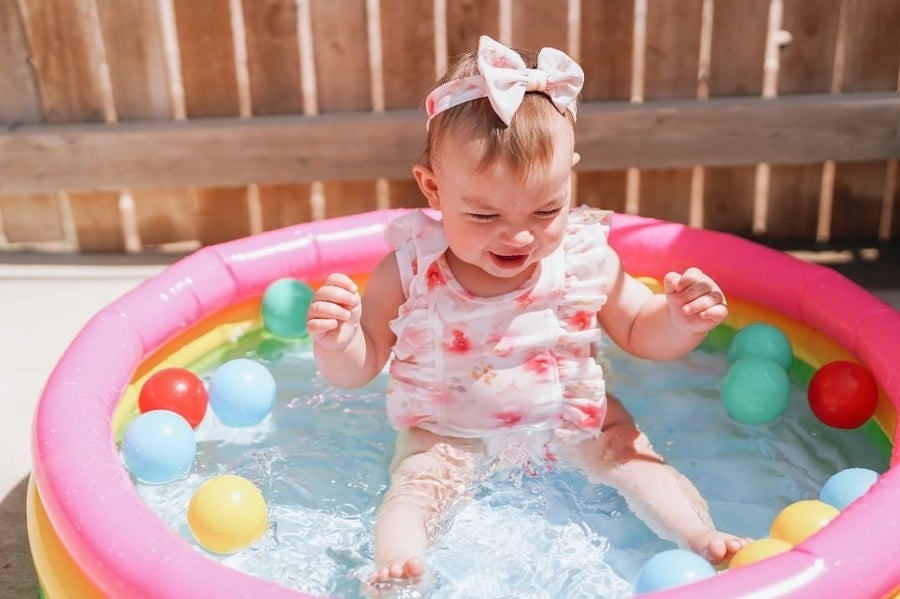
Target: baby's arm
[351,335]
[660,326]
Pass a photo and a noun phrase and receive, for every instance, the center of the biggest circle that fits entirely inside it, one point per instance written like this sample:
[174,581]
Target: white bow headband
[504,79]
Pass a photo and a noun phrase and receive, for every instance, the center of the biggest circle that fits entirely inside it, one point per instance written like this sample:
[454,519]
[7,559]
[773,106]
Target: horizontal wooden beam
[359,146]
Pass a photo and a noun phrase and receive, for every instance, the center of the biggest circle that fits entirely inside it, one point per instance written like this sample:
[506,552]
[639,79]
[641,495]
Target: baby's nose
[521,237]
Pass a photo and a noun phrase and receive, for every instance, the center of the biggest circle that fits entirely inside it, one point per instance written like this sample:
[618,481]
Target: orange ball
[799,521]
[758,550]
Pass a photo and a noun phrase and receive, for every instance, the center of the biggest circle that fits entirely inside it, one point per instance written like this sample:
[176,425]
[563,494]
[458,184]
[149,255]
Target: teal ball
[761,341]
[284,306]
[755,390]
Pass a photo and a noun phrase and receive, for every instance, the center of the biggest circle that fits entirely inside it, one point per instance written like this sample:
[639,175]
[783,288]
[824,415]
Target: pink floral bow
[504,80]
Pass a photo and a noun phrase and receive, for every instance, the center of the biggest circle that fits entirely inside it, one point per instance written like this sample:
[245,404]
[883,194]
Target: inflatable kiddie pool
[91,535]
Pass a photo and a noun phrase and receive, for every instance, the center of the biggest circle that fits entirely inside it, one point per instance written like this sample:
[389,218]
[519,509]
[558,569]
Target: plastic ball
[227,513]
[843,394]
[846,486]
[800,520]
[284,306]
[241,392]
[671,568]
[175,389]
[755,390]
[159,447]
[761,341]
[758,550]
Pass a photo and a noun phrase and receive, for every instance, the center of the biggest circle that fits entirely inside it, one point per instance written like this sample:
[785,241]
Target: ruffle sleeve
[419,241]
[586,250]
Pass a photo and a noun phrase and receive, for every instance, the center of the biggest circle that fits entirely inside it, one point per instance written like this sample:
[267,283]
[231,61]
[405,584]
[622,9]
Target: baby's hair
[527,143]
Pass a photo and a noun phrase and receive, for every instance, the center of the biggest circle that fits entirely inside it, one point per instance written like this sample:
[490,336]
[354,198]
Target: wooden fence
[134,124]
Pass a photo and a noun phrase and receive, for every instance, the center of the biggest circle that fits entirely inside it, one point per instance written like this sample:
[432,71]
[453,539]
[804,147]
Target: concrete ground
[45,300]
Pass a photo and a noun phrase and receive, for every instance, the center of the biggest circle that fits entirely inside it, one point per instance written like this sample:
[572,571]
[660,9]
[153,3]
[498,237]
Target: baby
[492,313]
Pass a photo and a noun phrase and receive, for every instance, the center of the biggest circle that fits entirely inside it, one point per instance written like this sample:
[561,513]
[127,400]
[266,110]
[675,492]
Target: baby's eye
[482,217]
[548,213]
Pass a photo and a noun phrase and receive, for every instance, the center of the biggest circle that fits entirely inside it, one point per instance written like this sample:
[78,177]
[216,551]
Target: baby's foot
[716,546]
[396,571]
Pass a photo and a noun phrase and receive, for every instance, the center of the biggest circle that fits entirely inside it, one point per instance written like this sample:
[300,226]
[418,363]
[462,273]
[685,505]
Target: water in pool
[320,459]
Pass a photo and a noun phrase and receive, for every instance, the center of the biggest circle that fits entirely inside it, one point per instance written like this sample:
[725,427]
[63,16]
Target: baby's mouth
[510,261]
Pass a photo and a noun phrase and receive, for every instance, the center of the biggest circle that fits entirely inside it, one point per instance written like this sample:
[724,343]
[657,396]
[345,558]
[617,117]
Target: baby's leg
[428,471]
[661,496]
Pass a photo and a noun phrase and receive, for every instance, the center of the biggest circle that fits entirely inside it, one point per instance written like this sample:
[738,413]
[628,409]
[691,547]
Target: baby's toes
[716,550]
[413,568]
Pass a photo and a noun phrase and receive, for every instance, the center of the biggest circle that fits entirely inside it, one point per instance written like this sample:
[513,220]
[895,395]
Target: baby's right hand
[333,316]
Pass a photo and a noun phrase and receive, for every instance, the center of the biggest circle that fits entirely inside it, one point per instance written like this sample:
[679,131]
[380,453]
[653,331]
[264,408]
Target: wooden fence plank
[664,193]
[736,69]
[793,201]
[207,58]
[341,55]
[165,215]
[738,47]
[602,189]
[858,193]
[872,62]
[28,217]
[132,37]
[19,101]
[672,57]
[606,40]
[807,66]
[467,20]
[67,51]
[273,56]
[717,132]
[222,213]
[284,205]
[343,82]
[274,66]
[407,40]
[210,89]
[538,23]
[96,216]
[64,56]
[728,198]
[873,45]
[807,62]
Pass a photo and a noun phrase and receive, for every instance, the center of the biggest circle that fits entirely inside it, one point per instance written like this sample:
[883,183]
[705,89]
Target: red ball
[175,389]
[843,394]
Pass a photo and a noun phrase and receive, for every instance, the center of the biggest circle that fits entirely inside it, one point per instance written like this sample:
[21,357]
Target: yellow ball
[757,550]
[801,520]
[227,513]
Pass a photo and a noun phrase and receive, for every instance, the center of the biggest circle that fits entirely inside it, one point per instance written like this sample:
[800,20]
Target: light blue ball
[671,568]
[284,307]
[241,392]
[159,447]
[755,390]
[846,486]
[761,341]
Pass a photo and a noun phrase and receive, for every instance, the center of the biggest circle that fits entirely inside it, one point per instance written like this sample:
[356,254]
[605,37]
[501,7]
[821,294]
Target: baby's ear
[427,184]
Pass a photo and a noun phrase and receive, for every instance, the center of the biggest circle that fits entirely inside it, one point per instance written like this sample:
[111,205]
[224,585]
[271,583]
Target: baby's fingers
[328,310]
[319,327]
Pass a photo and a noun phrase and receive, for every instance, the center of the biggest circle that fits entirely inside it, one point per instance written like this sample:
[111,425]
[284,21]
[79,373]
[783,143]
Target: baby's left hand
[696,303]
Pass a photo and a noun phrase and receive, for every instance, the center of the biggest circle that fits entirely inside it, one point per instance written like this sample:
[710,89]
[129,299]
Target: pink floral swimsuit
[470,366]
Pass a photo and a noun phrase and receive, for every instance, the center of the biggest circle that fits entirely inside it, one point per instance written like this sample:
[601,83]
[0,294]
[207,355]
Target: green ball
[761,341]
[755,390]
[284,307]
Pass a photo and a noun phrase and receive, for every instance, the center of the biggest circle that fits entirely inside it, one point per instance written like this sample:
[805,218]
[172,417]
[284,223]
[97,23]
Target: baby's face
[494,220]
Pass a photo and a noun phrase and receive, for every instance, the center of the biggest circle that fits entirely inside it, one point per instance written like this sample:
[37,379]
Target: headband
[504,79]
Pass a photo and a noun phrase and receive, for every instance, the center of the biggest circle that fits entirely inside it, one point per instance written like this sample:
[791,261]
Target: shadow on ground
[16,569]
